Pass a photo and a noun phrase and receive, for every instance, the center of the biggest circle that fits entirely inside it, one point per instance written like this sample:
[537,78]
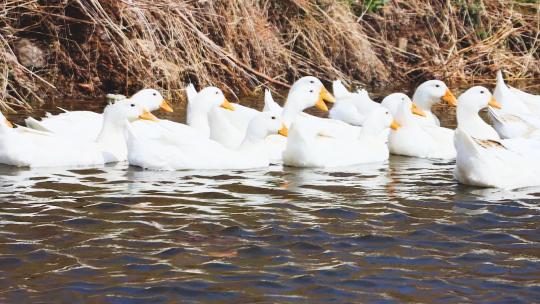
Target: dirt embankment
[79,48]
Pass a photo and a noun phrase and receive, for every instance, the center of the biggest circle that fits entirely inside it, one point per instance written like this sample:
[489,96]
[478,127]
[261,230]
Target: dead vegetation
[55,48]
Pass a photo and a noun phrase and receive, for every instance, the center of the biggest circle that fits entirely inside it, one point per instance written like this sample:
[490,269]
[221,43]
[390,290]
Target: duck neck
[253,139]
[290,111]
[424,101]
[469,121]
[112,135]
[373,129]
[197,118]
[405,118]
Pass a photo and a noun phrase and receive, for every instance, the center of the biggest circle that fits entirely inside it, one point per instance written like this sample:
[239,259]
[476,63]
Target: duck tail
[464,142]
[339,89]
[35,124]
[269,103]
[191,92]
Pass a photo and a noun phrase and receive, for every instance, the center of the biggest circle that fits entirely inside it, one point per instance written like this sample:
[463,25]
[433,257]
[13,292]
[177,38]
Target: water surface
[393,232]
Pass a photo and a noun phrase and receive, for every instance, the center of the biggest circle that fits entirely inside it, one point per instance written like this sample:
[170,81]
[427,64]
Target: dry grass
[90,47]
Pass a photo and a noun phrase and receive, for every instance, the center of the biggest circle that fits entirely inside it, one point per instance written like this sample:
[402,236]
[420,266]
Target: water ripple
[401,231]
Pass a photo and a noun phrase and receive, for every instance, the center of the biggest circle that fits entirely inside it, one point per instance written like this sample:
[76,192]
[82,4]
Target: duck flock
[221,135]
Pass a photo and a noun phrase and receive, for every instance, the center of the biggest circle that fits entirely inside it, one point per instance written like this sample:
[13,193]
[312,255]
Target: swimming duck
[86,125]
[309,146]
[515,119]
[25,147]
[427,95]
[483,159]
[352,108]
[410,138]
[208,154]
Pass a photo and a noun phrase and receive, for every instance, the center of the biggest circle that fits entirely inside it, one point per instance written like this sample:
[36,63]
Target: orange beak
[227,105]
[166,106]
[324,95]
[493,103]
[449,98]
[416,110]
[284,131]
[395,125]
[146,115]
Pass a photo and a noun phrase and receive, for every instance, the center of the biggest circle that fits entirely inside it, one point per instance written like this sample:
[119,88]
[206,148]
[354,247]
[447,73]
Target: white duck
[208,154]
[482,158]
[516,119]
[427,95]
[410,138]
[25,147]
[308,146]
[352,108]
[86,125]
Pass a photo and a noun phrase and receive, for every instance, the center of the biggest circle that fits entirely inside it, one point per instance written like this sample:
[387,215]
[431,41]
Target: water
[402,231]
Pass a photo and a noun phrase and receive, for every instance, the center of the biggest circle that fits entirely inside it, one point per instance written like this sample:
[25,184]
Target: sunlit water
[400,231]
[393,232]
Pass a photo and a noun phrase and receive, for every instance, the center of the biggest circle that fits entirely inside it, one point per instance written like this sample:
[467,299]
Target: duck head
[212,97]
[318,87]
[476,99]
[432,92]
[301,98]
[128,110]
[379,120]
[264,124]
[394,101]
[151,99]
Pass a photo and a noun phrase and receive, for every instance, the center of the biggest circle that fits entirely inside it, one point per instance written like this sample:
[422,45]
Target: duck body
[206,153]
[307,146]
[84,125]
[515,119]
[492,164]
[25,147]
[483,158]
[423,142]
[351,108]
[411,138]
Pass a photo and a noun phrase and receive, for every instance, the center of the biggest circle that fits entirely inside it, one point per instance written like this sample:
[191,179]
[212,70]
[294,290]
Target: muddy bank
[58,49]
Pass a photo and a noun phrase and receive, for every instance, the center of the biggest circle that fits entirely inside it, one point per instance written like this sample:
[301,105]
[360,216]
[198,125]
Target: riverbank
[51,49]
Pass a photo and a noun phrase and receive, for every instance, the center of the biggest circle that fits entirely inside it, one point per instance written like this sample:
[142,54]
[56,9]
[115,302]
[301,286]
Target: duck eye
[437,85]
[217,92]
[132,105]
[273,117]
[154,94]
[311,91]
[482,92]
[311,81]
